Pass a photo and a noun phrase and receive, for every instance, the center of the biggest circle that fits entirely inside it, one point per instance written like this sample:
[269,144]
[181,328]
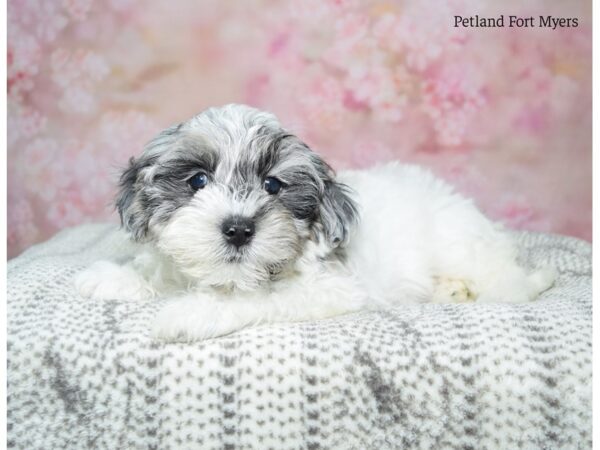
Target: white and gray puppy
[240,223]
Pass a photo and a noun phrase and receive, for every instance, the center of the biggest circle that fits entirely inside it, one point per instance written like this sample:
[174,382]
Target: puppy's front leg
[106,280]
[145,276]
[206,315]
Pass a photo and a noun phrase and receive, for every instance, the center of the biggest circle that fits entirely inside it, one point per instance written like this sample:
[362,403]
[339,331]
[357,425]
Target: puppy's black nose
[238,231]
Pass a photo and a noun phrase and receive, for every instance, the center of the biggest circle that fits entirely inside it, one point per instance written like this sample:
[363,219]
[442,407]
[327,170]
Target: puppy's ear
[338,211]
[133,198]
[127,202]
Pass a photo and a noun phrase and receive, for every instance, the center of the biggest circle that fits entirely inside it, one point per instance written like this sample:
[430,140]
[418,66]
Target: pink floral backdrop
[505,114]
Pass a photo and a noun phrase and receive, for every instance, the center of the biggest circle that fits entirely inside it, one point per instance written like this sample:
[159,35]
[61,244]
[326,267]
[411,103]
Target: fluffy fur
[322,246]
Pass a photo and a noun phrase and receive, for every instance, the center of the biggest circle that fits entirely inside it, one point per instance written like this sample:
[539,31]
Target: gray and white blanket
[85,374]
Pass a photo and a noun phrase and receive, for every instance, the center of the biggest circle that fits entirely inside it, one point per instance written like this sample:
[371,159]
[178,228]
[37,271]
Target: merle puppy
[240,223]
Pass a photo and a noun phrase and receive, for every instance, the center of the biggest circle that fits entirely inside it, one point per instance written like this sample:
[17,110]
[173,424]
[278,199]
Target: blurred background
[504,114]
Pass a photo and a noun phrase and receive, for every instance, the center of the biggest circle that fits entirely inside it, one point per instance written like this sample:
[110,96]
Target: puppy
[239,223]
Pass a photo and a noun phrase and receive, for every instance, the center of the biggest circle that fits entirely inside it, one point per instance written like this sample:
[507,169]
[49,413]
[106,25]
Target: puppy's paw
[105,280]
[450,290]
[517,286]
[542,279]
[194,319]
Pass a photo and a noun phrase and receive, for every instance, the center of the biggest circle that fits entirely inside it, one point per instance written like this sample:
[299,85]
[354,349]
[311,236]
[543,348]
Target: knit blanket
[86,374]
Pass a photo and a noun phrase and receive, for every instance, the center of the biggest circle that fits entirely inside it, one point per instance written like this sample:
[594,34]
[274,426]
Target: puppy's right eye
[198,181]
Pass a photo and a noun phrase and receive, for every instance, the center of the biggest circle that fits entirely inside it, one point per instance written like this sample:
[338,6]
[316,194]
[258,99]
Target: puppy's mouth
[235,255]
[240,256]
[235,258]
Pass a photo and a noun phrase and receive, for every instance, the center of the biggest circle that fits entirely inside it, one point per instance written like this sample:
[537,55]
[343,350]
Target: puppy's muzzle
[238,231]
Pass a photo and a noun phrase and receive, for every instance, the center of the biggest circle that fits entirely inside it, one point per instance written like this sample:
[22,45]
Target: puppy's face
[232,198]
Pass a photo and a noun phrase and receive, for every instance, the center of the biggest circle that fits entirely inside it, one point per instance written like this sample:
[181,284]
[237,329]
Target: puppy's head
[232,198]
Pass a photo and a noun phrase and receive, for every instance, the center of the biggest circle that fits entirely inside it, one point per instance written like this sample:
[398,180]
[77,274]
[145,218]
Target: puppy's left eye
[272,185]
[198,181]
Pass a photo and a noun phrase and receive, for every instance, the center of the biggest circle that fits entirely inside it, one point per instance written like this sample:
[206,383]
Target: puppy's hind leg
[491,271]
[513,284]
[471,248]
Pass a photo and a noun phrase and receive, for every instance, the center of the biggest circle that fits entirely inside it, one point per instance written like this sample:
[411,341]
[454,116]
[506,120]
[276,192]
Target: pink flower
[452,101]
[78,73]
[22,229]
[387,32]
[24,123]
[78,9]
[85,67]
[43,18]
[24,55]
[423,33]
[533,119]
[518,213]
[352,27]
[323,100]
[123,134]
[368,153]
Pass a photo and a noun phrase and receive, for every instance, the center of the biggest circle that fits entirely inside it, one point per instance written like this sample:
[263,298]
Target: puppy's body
[272,235]
[418,237]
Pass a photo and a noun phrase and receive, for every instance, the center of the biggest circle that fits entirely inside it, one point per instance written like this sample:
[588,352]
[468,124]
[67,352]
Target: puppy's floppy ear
[338,211]
[134,199]
[127,202]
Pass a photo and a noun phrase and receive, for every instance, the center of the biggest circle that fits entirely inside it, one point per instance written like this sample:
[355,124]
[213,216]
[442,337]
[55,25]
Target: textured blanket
[85,374]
